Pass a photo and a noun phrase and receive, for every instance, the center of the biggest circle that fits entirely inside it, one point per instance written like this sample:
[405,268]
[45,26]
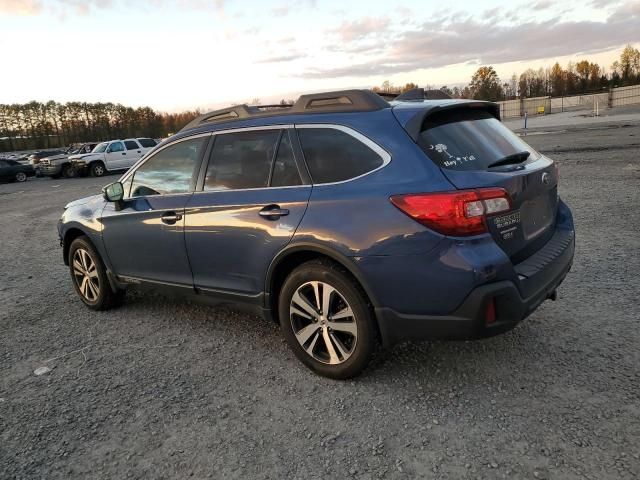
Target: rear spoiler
[414,125]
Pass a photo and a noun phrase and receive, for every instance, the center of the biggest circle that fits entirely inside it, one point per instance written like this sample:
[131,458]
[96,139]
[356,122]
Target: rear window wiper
[512,159]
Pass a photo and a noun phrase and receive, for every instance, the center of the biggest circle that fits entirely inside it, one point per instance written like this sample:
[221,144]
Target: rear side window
[469,140]
[147,142]
[333,155]
[171,170]
[285,172]
[131,145]
[241,160]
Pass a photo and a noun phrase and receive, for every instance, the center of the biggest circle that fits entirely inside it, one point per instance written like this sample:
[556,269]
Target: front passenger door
[115,157]
[144,236]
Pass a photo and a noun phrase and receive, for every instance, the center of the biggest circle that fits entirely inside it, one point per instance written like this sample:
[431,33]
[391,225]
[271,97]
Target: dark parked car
[10,170]
[345,218]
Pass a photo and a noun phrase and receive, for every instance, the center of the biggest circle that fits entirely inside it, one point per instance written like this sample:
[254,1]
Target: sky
[174,55]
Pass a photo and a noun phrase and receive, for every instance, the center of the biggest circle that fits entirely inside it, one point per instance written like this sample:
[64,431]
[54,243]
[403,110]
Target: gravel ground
[165,389]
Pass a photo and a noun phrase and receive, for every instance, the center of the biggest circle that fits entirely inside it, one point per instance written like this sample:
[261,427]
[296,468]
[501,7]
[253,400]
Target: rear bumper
[539,277]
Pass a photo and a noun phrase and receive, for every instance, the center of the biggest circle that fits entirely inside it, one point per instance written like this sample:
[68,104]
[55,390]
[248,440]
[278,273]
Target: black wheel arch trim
[344,260]
[113,281]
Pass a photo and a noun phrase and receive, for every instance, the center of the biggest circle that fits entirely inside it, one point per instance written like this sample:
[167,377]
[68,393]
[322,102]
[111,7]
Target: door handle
[171,218]
[124,153]
[273,212]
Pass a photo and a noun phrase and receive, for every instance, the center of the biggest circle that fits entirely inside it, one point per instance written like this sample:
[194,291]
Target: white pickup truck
[112,156]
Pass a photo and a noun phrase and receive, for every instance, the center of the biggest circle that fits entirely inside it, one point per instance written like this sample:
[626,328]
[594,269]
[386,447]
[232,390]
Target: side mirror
[114,192]
[109,150]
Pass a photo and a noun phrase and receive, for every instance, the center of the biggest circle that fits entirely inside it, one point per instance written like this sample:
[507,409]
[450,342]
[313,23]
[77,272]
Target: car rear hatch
[475,150]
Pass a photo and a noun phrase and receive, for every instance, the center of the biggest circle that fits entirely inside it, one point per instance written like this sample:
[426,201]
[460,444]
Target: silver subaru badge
[546,178]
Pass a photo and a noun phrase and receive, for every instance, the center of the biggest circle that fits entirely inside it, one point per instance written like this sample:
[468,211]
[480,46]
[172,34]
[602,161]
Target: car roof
[328,102]
[410,108]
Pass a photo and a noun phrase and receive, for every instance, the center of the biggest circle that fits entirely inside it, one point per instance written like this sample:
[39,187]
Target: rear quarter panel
[356,217]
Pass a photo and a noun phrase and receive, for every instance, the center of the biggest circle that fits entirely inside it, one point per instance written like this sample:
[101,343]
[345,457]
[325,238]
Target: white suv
[112,156]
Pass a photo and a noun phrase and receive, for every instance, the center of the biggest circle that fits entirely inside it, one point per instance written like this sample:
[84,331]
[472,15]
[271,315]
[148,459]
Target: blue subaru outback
[348,219]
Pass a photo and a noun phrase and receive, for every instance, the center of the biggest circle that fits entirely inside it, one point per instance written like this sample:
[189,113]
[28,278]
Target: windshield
[469,140]
[100,148]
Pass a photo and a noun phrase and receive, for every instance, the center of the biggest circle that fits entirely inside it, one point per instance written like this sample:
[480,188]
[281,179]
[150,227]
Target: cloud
[85,7]
[360,29]
[542,5]
[282,58]
[20,7]
[281,11]
[627,10]
[435,44]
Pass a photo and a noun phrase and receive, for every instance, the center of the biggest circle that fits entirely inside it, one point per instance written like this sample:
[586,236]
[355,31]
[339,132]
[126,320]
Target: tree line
[556,81]
[36,125]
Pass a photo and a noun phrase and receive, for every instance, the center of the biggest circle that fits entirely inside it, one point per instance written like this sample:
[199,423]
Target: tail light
[458,213]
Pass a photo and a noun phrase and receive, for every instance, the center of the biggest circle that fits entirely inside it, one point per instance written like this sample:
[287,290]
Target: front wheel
[68,171]
[96,169]
[21,177]
[89,276]
[326,320]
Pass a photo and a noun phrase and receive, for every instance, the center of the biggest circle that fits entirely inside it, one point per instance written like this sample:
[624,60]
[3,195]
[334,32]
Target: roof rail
[327,102]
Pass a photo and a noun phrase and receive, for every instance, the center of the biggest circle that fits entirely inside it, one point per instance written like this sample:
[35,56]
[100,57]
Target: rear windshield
[469,140]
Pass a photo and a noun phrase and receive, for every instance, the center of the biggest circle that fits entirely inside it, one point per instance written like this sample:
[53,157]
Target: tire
[307,329]
[89,277]
[68,171]
[21,177]
[97,169]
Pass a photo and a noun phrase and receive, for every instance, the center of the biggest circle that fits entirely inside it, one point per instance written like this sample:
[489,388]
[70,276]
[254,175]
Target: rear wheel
[326,320]
[89,276]
[21,177]
[96,169]
[68,171]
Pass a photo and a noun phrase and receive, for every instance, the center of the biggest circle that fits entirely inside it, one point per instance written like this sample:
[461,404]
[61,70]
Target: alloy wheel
[21,176]
[323,322]
[98,170]
[85,275]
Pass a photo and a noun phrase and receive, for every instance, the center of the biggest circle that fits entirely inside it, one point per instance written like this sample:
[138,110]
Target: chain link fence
[580,102]
[625,96]
[614,97]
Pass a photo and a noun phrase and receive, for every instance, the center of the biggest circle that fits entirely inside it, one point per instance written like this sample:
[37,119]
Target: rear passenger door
[253,193]
[134,152]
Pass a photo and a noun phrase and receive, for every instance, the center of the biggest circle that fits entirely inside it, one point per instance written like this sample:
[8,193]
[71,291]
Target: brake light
[457,213]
